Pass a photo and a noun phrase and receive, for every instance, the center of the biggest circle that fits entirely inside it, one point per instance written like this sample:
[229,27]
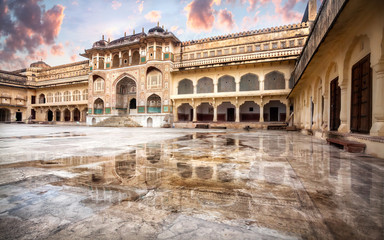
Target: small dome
[40,64]
[156,29]
[100,43]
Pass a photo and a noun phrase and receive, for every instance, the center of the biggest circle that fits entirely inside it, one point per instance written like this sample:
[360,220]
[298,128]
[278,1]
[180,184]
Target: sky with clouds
[56,31]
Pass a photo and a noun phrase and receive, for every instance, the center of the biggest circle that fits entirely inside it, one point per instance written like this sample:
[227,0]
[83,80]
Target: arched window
[274,80]
[85,94]
[205,85]
[42,98]
[226,84]
[154,79]
[101,63]
[154,104]
[98,106]
[49,97]
[125,61]
[185,87]
[116,61]
[135,58]
[249,82]
[58,97]
[99,85]
[67,96]
[76,95]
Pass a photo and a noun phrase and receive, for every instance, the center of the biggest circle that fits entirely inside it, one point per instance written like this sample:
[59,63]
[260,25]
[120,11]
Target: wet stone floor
[136,183]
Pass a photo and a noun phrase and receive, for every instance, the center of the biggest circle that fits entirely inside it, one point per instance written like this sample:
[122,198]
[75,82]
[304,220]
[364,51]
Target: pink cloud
[57,50]
[177,30]
[200,15]
[225,20]
[74,58]
[25,26]
[249,22]
[140,7]
[153,16]
[116,5]
[253,4]
[286,11]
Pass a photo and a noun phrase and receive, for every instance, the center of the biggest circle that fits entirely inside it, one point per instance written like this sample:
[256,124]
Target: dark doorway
[58,116]
[5,115]
[19,116]
[274,111]
[33,114]
[132,103]
[361,103]
[335,105]
[67,115]
[230,114]
[50,115]
[191,115]
[76,115]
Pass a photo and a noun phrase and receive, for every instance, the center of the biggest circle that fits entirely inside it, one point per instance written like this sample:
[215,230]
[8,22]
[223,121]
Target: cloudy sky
[56,31]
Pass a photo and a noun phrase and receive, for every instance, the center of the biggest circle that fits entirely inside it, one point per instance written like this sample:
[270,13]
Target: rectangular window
[257,48]
[198,55]
[226,51]
[266,46]
[241,49]
[33,99]
[249,48]
[274,45]
[282,44]
[191,56]
[212,53]
[219,52]
[234,50]
[205,54]
[300,42]
[292,43]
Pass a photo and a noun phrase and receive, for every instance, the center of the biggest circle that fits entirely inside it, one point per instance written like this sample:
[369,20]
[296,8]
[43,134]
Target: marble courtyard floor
[76,182]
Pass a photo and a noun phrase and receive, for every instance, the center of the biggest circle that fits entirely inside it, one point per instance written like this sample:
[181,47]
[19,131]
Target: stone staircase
[118,121]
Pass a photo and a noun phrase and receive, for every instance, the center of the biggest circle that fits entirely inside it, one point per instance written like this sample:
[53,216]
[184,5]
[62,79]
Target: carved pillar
[287,109]
[97,61]
[261,112]
[214,105]
[120,59]
[130,56]
[53,115]
[62,115]
[175,111]
[194,88]
[237,114]
[377,128]
[343,111]
[71,114]
[194,112]
[261,83]
[215,87]
[237,86]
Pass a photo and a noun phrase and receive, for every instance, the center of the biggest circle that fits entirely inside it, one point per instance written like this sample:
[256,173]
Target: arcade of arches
[66,114]
[126,96]
[230,111]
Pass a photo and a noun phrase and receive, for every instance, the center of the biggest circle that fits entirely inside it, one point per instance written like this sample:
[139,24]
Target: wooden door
[335,105]
[361,96]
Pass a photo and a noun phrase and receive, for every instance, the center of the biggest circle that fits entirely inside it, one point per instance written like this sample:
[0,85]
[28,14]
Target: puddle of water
[230,177]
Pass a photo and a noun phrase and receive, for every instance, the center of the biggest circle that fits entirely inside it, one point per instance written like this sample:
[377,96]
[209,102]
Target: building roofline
[247,33]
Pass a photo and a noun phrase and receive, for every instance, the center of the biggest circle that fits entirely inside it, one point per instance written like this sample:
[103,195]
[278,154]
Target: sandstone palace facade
[323,75]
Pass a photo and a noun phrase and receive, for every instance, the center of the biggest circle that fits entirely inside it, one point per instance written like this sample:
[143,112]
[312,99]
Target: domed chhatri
[156,29]
[40,64]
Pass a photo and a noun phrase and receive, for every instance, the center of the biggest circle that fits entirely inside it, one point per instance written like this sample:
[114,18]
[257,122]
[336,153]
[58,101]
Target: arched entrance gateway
[50,116]
[98,106]
[185,112]
[126,96]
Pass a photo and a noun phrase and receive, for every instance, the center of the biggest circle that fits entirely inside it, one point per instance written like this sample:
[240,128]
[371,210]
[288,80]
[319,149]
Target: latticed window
[241,49]
[49,97]
[58,97]
[300,42]
[205,85]
[257,48]
[266,46]
[234,50]
[274,45]
[67,96]
[227,84]
[292,43]
[212,53]
[249,82]
[154,79]
[76,95]
[283,44]
[249,48]
[99,85]
[85,94]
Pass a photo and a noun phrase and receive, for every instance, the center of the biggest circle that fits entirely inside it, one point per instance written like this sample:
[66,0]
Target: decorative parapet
[70,80]
[247,33]
[327,15]
[239,58]
[11,78]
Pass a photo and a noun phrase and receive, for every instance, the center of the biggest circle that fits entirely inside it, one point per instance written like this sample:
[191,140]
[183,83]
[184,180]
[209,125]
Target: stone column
[261,81]
[71,114]
[120,59]
[97,61]
[154,51]
[261,112]
[215,112]
[130,56]
[325,112]
[343,111]
[215,90]
[105,61]
[175,115]
[54,116]
[377,128]
[194,113]
[286,83]
[194,88]
[237,86]
[287,109]
[237,113]
[62,119]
